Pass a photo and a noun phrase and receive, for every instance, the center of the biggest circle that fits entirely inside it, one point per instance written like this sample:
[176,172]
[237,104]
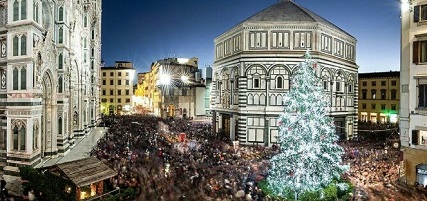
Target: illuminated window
[373,94]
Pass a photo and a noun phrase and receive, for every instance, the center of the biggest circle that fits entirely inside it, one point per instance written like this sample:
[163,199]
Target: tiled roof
[288,11]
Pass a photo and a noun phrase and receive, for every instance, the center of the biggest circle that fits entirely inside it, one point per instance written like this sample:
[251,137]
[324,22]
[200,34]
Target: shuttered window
[420,13]
[419,52]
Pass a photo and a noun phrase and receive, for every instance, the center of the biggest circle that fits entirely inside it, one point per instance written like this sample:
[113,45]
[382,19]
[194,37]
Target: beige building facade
[117,88]
[413,102]
[173,88]
[379,95]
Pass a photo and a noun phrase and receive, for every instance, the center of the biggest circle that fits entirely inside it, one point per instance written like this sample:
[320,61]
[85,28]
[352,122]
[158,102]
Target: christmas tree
[309,158]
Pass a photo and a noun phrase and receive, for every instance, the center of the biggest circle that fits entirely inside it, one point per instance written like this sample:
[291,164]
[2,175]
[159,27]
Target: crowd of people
[154,158]
[148,159]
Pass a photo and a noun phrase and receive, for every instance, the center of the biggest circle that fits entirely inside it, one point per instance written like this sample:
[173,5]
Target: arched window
[35,135]
[85,21]
[15,138]
[250,99]
[23,45]
[279,78]
[279,82]
[15,45]
[19,137]
[60,85]
[273,100]
[36,12]
[61,14]
[15,79]
[339,82]
[60,125]
[279,100]
[23,78]
[16,10]
[22,138]
[60,61]
[61,35]
[373,94]
[23,9]
[256,99]
[262,99]
[92,35]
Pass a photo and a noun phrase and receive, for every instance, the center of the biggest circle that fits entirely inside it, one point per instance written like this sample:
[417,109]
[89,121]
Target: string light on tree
[309,158]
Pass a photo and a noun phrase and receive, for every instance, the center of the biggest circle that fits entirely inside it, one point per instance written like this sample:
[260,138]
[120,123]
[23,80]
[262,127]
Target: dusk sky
[143,32]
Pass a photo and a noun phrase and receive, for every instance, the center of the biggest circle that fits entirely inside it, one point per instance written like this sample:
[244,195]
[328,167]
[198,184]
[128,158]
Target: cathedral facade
[254,64]
[49,67]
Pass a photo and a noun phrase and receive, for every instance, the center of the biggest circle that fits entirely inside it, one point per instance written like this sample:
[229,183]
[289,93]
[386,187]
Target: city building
[413,98]
[49,66]
[117,88]
[174,88]
[141,77]
[379,95]
[254,63]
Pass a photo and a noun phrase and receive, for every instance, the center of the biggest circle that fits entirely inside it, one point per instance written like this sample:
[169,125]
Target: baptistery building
[49,67]
[254,64]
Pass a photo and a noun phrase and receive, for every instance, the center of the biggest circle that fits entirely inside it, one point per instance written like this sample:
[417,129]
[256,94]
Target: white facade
[413,113]
[255,60]
[49,69]
[413,102]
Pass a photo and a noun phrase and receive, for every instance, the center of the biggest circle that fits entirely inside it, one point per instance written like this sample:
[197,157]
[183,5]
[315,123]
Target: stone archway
[47,142]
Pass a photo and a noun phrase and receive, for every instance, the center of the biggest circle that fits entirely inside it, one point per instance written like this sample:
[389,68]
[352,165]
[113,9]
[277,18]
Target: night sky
[143,31]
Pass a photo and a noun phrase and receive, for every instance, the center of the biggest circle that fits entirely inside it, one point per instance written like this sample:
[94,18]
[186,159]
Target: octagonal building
[255,61]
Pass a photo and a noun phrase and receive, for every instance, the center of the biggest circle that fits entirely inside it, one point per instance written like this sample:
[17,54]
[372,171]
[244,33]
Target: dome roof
[288,11]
